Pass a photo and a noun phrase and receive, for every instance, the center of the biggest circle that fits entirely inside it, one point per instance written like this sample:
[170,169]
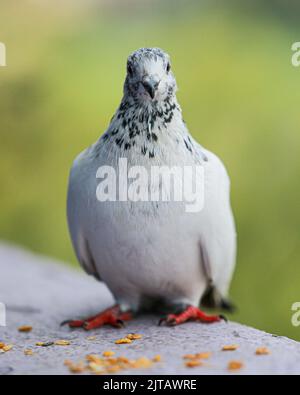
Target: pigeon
[153,255]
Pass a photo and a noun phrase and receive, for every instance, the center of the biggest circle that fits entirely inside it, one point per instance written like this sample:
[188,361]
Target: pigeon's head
[149,76]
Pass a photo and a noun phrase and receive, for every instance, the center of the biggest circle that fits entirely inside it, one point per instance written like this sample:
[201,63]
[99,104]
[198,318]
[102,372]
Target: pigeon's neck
[149,128]
[141,119]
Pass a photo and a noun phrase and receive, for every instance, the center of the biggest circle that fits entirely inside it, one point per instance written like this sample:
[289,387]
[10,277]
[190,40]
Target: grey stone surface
[42,293]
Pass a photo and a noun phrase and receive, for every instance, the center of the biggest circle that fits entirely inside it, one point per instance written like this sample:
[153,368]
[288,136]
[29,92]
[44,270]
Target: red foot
[191,313]
[111,316]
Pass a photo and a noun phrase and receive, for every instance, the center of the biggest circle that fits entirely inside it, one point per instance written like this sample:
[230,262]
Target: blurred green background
[240,97]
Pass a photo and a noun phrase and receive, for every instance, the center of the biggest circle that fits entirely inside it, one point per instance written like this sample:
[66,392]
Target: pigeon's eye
[129,69]
[168,67]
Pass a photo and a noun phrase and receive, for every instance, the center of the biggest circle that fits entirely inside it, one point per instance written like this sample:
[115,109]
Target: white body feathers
[152,251]
[144,250]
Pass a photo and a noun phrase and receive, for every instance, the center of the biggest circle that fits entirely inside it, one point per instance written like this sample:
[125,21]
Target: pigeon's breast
[140,250]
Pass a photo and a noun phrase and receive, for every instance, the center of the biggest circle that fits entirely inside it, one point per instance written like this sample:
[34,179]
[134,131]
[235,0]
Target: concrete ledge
[39,292]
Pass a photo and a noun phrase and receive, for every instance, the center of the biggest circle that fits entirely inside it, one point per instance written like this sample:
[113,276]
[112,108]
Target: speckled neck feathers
[144,126]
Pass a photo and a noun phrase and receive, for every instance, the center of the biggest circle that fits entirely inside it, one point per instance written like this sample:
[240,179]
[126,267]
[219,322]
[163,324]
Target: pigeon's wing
[212,297]
[217,233]
[75,213]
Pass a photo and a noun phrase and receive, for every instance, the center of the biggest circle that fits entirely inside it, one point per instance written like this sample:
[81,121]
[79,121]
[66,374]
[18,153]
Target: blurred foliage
[239,93]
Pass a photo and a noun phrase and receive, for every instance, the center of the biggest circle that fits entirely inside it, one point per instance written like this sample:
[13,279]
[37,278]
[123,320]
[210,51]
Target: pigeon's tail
[213,299]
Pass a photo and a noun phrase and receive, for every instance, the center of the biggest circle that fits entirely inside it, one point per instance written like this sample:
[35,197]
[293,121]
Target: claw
[120,324]
[161,321]
[65,322]
[168,321]
[85,326]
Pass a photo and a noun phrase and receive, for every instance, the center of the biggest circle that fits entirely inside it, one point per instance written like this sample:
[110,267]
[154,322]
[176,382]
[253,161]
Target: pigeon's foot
[112,316]
[191,313]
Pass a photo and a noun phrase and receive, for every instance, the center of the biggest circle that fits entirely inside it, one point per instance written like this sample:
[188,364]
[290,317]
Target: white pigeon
[152,254]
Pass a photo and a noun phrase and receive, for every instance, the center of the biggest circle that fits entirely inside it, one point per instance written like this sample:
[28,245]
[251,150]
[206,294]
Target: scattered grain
[262,351]
[25,328]
[44,344]
[156,358]
[193,363]
[108,353]
[134,336]
[62,342]
[230,347]
[235,365]
[125,340]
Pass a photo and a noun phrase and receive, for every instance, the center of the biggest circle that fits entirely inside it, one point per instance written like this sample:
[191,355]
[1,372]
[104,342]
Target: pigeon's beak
[150,85]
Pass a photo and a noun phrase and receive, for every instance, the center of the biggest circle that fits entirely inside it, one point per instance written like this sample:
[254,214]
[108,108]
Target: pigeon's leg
[190,313]
[112,316]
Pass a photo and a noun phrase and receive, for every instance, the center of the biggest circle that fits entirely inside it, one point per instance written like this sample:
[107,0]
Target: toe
[119,324]
[171,322]
[73,323]
[163,321]
[168,321]
[65,322]
[87,326]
